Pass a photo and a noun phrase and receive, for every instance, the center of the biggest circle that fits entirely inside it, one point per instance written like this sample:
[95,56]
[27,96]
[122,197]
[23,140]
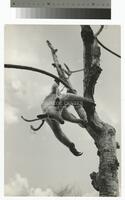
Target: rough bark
[105,181]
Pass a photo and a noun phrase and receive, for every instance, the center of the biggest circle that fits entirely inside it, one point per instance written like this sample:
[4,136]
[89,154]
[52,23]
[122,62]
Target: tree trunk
[106,180]
[108,176]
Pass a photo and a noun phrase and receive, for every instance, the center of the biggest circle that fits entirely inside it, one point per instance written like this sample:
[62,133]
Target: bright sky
[39,164]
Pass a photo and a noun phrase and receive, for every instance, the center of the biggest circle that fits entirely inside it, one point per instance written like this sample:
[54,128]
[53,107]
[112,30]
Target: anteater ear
[57,101]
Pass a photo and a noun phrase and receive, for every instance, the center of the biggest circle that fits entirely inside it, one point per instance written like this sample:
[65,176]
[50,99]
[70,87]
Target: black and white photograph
[62,115]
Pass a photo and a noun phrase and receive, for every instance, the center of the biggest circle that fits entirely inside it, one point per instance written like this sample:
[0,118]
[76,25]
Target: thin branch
[39,71]
[99,31]
[102,45]
[70,72]
[75,71]
[61,90]
[107,49]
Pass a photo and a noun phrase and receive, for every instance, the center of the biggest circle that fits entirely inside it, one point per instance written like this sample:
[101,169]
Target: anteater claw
[74,150]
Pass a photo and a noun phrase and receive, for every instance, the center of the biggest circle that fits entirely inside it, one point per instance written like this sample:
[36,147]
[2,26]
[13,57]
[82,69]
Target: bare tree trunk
[106,180]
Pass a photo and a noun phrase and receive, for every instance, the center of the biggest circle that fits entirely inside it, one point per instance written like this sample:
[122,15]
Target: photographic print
[62,110]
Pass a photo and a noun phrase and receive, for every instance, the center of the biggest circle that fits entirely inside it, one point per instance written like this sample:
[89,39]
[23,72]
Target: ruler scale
[89,4]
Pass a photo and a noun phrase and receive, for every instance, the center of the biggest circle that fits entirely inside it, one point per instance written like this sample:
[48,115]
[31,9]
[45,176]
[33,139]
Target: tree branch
[39,71]
[59,68]
[99,31]
[107,49]
[102,45]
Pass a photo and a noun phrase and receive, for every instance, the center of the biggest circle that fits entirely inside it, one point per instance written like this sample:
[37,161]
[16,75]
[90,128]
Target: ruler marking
[62,3]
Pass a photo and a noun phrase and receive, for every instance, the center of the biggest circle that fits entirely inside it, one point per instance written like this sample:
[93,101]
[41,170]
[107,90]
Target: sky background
[37,164]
